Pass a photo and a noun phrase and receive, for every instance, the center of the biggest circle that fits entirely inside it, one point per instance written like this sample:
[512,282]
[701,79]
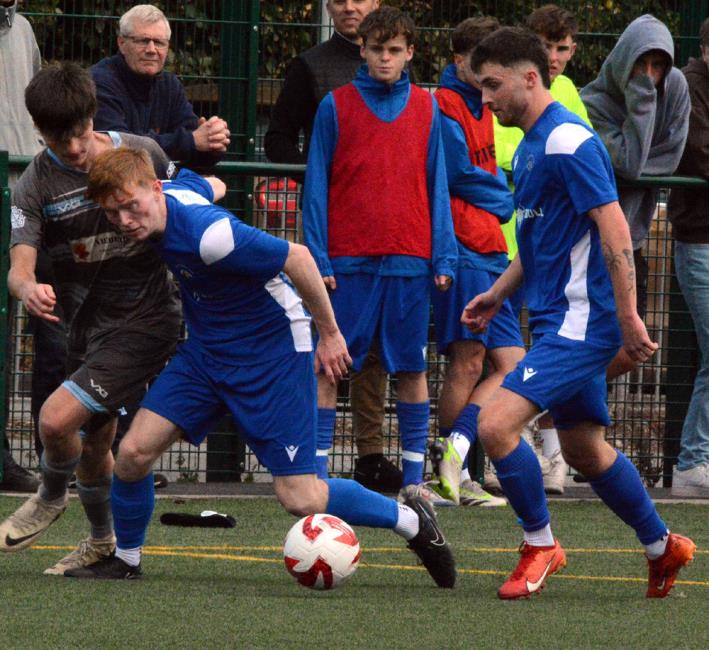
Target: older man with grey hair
[136,95]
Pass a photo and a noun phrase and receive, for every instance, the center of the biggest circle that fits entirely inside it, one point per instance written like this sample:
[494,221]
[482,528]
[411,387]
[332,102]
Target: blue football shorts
[503,331]
[567,377]
[391,310]
[273,404]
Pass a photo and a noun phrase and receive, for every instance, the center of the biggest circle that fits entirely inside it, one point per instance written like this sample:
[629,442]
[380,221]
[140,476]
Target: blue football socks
[413,429]
[622,490]
[520,476]
[359,506]
[132,503]
[325,432]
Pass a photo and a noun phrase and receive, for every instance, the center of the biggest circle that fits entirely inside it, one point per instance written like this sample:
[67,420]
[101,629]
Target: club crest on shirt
[530,163]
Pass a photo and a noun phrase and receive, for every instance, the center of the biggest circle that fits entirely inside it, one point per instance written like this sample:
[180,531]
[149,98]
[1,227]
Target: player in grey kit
[121,311]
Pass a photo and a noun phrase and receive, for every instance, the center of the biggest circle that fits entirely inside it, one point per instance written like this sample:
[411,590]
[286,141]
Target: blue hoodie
[386,102]
[468,182]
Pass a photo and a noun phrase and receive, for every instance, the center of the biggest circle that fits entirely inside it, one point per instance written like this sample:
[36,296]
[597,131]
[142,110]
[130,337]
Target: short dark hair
[61,98]
[386,23]
[509,46]
[552,22]
[704,33]
[467,34]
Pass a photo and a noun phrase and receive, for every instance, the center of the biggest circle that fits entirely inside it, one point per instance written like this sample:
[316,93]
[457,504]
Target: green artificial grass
[228,588]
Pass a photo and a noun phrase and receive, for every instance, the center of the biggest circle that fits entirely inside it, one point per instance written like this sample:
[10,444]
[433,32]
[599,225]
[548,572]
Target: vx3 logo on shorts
[101,391]
[292,450]
[528,373]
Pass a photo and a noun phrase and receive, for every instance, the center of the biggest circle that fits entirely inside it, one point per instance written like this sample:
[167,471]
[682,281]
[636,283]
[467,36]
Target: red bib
[478,229]
[378,195]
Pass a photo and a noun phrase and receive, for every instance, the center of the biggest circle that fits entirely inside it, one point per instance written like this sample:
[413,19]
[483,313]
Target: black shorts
[118,362]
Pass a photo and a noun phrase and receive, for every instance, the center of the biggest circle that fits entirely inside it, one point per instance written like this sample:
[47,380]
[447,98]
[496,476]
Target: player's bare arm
[331,355]
[38,299]
[218,187]
[482,309]
[618,253]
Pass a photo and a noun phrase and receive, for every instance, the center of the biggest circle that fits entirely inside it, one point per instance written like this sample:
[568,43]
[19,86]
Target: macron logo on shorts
[292,450]
[528,373]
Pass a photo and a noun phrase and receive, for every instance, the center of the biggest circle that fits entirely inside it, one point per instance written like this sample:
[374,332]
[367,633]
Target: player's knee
[53,429]
[466,369]
[494,432]
[304,498]
[299,505]
[132,463]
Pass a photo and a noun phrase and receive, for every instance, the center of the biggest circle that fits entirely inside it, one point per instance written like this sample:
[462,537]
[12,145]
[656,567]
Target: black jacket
[688,207]
[309,77]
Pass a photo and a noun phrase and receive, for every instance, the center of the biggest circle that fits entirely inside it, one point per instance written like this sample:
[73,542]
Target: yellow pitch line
[408,567]
[375,549]
[181,552]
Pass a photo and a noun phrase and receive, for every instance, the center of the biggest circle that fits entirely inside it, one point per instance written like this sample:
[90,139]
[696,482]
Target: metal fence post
[692,14]
[237,99]
[4,240]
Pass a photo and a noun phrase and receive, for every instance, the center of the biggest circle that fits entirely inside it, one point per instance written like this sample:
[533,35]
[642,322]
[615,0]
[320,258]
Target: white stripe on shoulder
[186,197]
[566,138]
[217,241]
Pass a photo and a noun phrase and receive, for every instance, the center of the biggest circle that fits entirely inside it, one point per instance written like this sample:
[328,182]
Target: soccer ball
[321,551]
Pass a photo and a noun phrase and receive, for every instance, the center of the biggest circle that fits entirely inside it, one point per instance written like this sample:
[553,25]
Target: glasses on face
[144,42]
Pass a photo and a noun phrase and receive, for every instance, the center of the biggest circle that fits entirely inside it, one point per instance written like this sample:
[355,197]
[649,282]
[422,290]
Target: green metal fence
[647,407]
[231,56]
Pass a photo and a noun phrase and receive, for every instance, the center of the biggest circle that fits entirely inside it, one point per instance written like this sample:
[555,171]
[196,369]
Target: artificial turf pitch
[227,588]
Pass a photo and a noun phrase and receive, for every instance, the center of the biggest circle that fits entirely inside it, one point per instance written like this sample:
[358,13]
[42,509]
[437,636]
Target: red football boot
[536,564]
[663,571]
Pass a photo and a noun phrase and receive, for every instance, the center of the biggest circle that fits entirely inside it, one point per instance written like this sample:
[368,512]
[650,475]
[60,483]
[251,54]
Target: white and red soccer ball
[321,551]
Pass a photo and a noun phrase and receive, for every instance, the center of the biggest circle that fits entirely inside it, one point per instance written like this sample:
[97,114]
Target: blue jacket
[473,184]
[155,107]
[387,103]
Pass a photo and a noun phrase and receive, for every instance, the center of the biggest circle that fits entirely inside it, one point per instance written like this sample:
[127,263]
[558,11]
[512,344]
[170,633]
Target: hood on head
[7,15]
[642,35]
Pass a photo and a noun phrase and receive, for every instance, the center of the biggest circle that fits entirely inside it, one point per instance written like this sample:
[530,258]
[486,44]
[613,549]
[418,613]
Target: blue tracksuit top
[468,182]
[387,103]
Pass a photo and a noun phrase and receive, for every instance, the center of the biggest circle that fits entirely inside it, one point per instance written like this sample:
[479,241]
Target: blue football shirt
[238,306]
[561,170]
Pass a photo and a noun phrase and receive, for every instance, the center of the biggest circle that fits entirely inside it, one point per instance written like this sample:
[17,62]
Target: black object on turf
[430,545]
[214,520]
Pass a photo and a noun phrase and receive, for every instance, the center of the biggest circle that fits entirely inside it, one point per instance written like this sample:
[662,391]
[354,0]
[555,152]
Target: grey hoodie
[643,128]
[19,61]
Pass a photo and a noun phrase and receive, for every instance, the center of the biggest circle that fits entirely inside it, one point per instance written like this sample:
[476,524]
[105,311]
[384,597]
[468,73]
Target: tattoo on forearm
[614,261]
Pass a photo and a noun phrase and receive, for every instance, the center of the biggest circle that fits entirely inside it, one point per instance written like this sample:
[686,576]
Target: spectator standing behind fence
[376,153]
[480,202]
[688,212]
[122,312]
[136,95]
[639,105]
[19,61]
[309,78]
